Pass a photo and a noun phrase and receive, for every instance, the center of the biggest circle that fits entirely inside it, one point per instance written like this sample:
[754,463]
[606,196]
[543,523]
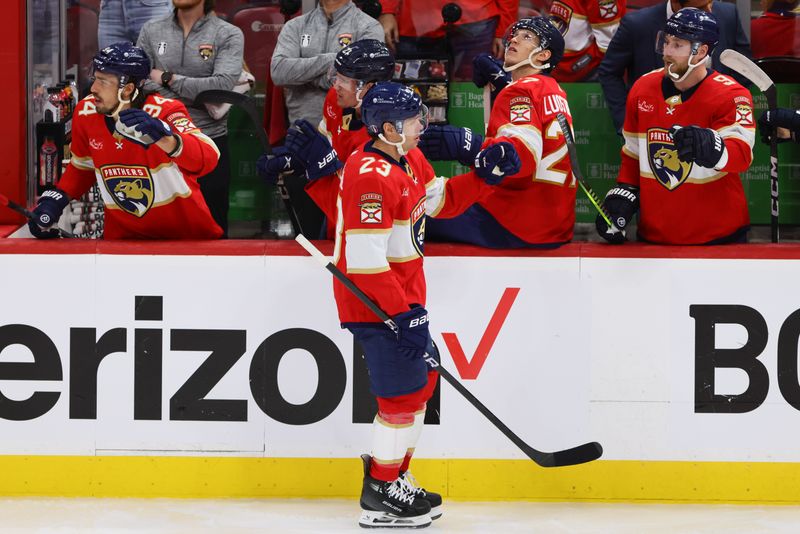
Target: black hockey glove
[314,149]
[413,334]
[497,161]
[141,128]
[447,143]
[621,203]
[47,213]
[489,69]
[779,118]
[271,166]
[702,146]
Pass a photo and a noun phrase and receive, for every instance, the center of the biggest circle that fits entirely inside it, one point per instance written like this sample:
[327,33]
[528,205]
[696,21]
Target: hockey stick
[220,96]
[576,170]
[739,63]
[576,455]
[4,201]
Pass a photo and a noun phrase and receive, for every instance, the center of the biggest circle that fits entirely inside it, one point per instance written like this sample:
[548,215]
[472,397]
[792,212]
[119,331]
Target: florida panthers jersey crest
[680,201]
[146,193]
[669,171]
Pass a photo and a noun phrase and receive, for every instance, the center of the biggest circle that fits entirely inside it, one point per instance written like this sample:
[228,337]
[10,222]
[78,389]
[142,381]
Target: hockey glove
[772,119]
[488,69]
[621,203]
[138,126]
[413,333]
[318,156]
[447,143]
[271,166]
[497,161]
[47,213]
[702,146]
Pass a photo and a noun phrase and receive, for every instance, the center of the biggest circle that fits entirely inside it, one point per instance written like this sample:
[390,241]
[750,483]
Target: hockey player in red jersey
[587,26]
[387,188]
[143,152]
[357,67]
[689,132]
[535,207]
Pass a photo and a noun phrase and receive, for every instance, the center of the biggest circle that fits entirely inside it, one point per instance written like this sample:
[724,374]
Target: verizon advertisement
[657,359]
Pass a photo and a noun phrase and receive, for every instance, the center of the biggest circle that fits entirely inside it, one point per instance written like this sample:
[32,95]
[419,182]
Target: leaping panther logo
[131,188]
[668,169]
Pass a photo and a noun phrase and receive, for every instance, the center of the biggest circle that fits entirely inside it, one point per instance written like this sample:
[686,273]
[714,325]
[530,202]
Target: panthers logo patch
[345,39]
[206,51]
[418,226]
[560,16]
[131,187]
[668,169]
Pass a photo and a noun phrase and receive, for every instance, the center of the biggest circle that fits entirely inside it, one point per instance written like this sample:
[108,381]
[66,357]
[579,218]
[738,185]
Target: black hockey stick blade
[5,201]
[577,455]
[576,170]
[744,66]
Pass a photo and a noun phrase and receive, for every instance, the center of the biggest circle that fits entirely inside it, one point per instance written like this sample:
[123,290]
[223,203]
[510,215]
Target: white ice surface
[289,516]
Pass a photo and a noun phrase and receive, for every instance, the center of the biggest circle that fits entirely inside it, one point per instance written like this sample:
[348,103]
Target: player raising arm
[689,132]
[536,206]
[143,152]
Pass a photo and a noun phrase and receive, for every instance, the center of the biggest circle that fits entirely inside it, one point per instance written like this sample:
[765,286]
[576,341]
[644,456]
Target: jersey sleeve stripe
[84,164]
[530,136]
[435,193]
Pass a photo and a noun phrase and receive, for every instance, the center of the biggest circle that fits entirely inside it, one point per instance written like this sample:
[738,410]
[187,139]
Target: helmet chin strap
[692,66]
[359,100]
[122,102]
[398,146]
[528,61]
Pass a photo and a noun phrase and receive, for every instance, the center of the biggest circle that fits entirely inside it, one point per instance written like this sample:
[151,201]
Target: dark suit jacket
[632,51]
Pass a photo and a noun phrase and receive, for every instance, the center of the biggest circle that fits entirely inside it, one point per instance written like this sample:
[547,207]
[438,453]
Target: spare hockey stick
[4,201]
[220,96]
[576,170]
[739,63]
[576,455]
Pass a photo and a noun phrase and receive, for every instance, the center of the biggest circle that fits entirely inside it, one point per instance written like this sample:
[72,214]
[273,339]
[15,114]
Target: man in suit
[632,52]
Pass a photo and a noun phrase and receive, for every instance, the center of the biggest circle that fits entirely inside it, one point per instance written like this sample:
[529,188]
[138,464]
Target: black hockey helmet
[549,36]
[367,60]
[127,61]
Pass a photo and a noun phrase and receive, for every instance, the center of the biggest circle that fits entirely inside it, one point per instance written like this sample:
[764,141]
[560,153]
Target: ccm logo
[419,321]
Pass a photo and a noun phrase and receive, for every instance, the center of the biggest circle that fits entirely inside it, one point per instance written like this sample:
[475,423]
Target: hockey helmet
[125,60]
[694,25]
[391,102]
[367,60]
[550,37]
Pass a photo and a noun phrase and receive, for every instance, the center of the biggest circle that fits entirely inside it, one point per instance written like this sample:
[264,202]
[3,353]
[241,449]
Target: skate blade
[370,519]
[436,512]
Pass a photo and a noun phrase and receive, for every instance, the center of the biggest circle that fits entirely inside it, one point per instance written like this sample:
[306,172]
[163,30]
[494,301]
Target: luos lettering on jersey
[553,104]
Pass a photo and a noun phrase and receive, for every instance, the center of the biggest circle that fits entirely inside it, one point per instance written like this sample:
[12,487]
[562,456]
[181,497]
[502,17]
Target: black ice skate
[391,504]
[434,499]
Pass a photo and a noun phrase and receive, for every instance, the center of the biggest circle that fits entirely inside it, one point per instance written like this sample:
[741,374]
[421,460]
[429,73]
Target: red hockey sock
[382,471]
[406,460]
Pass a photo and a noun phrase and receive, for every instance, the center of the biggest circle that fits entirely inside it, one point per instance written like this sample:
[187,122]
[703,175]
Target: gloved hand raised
[138,126]
[413,334]
[497,161]
[446,143]
[270,166]
[773,119]
[489,69]
[318,156]
[702,146]
[621,203]
[47,213]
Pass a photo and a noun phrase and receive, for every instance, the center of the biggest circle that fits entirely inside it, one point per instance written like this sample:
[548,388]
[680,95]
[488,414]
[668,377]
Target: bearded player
[689,132]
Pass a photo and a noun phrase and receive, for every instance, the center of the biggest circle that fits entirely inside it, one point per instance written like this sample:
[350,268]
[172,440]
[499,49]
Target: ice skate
[434,499]
[391,504]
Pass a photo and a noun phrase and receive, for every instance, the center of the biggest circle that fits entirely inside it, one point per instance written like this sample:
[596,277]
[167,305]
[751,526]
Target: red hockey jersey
[587,27]
[682,203]
[537,204]
[381,227]
[147,194]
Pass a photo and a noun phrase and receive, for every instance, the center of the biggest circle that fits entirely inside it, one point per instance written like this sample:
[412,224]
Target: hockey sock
[416,430]
[391,435]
